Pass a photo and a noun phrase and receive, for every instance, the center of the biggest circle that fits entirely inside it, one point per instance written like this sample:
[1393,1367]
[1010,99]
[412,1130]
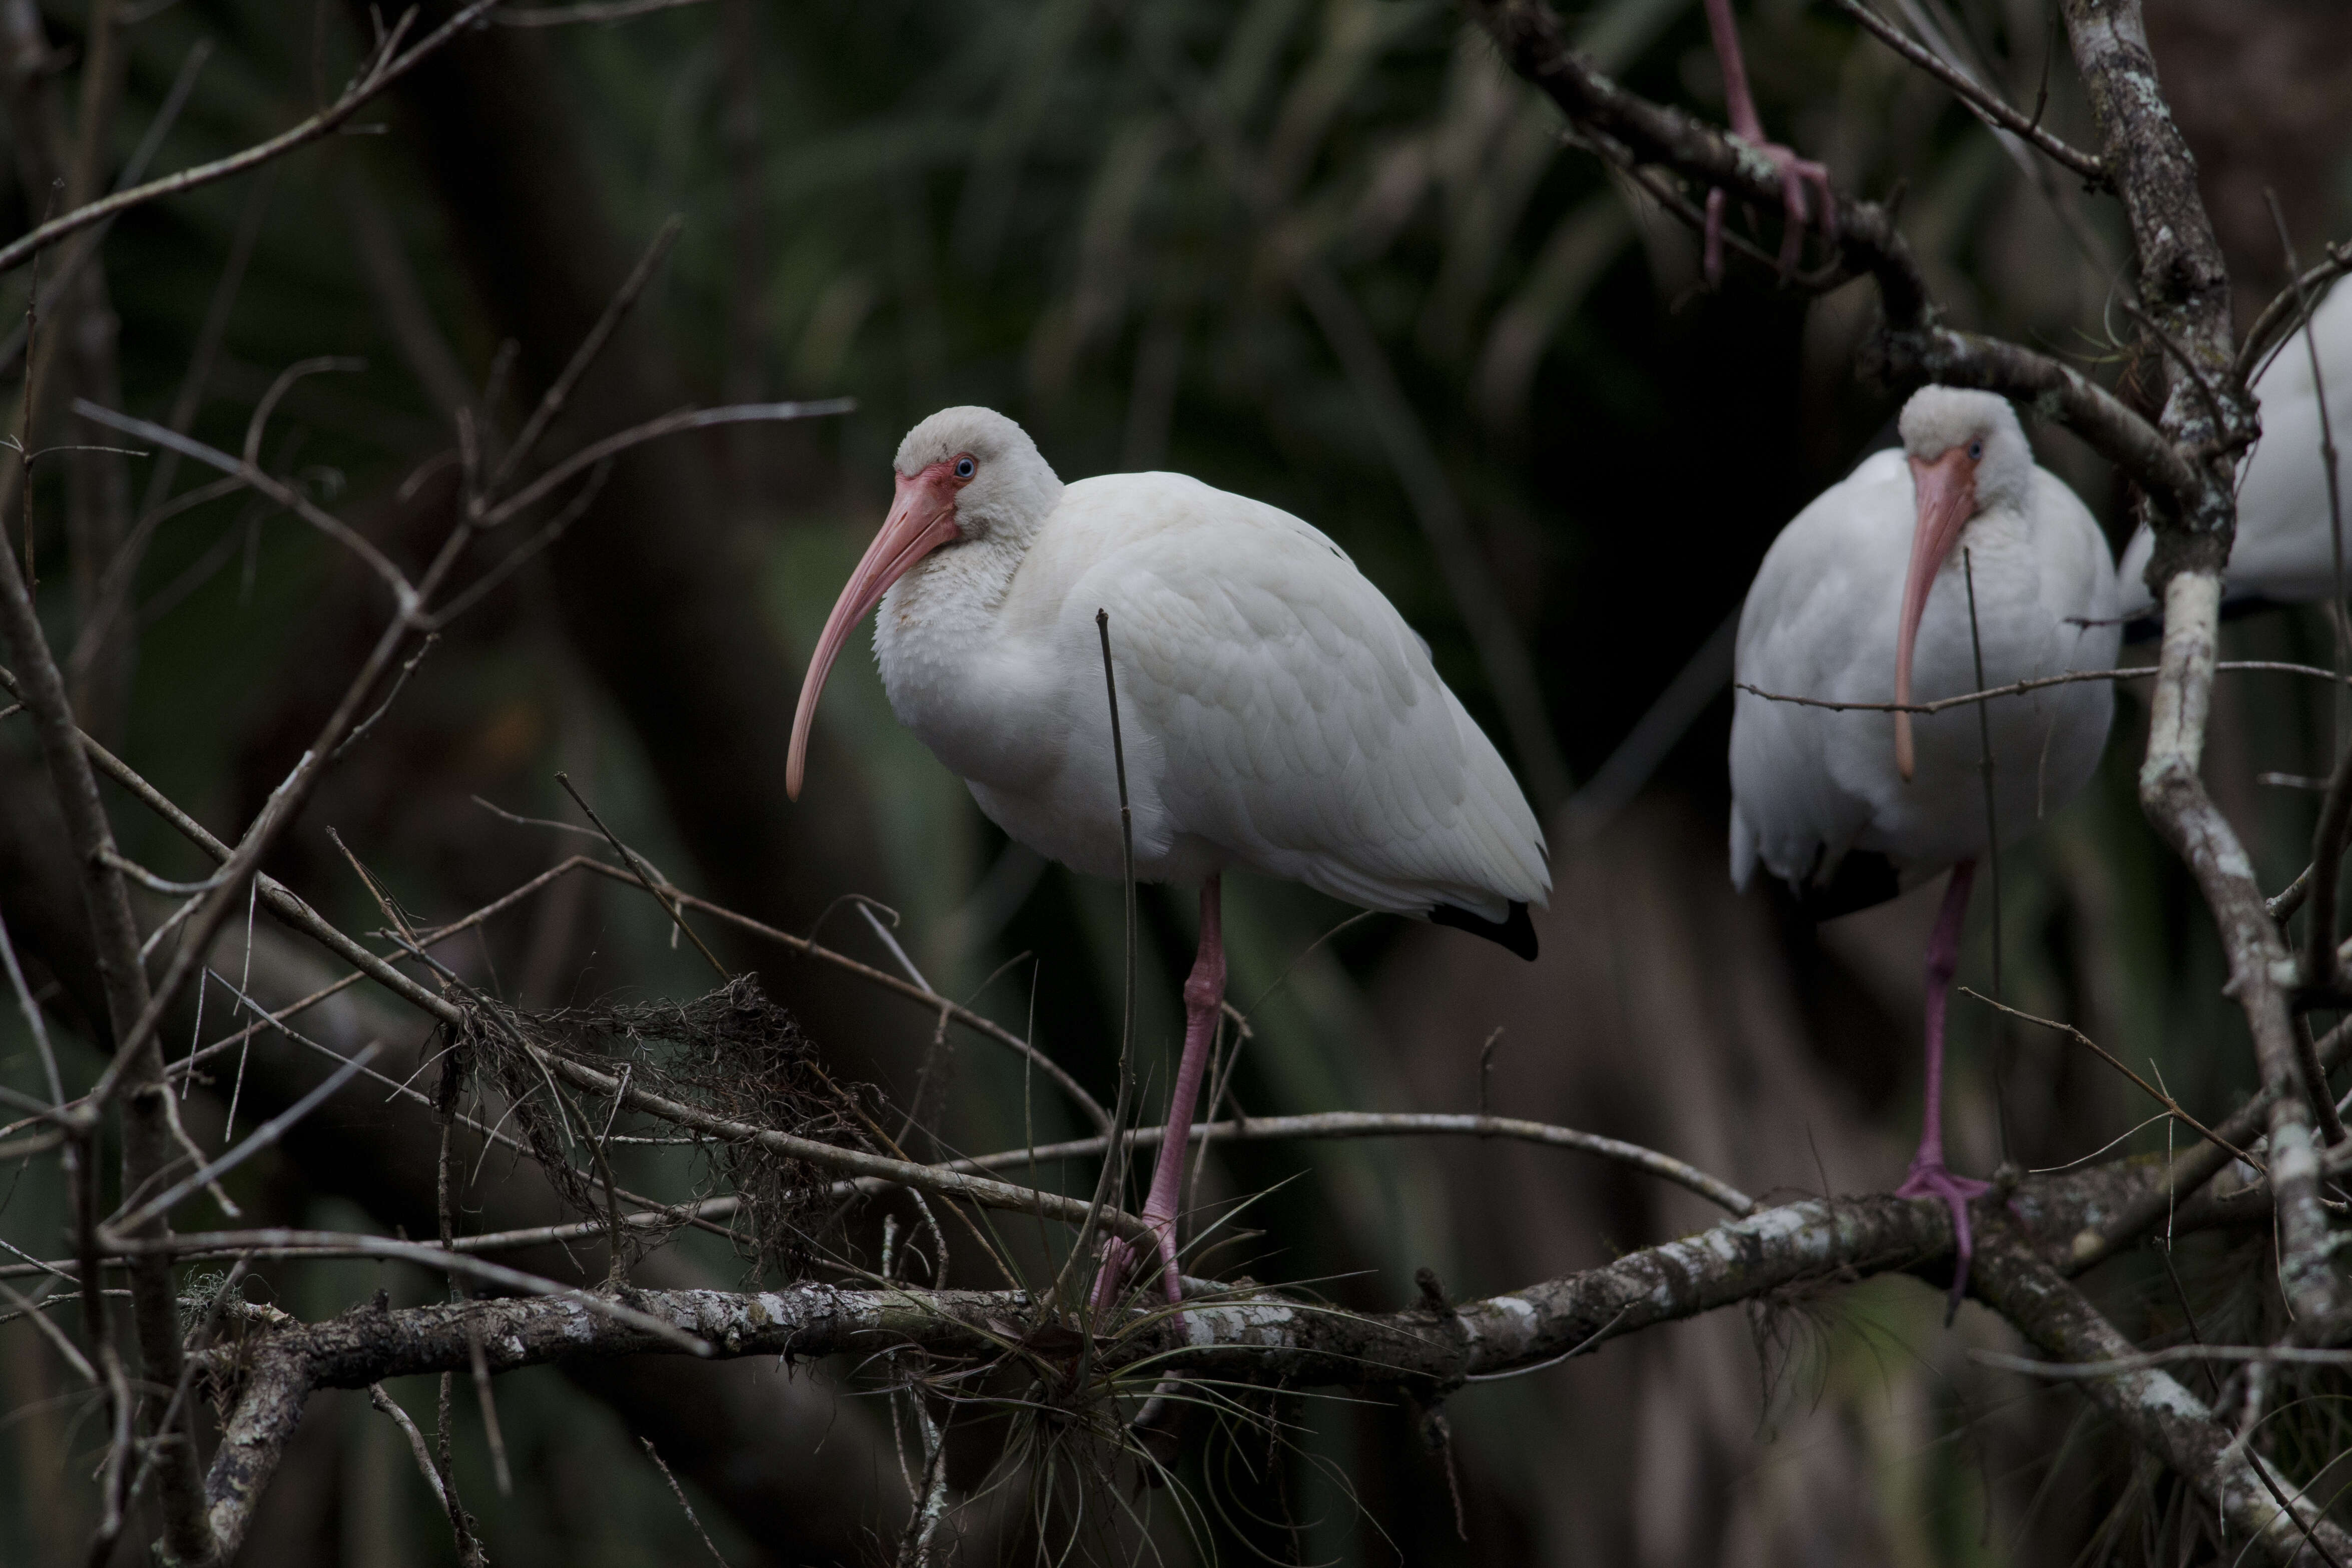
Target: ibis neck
[952,678]
[2010,624]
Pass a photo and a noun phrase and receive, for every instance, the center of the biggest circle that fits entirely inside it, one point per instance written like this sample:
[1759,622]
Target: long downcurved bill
[922,519]
[1946,491]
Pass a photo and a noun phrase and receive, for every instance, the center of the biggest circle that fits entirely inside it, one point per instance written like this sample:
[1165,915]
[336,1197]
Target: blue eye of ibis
[1976,451]
[963,468]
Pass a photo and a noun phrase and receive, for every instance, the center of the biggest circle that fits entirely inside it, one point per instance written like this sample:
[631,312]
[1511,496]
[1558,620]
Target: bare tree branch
[1254,1337]
[1530,36]
[2160,1413]
[2185,291]
[387,66]
[137,1062]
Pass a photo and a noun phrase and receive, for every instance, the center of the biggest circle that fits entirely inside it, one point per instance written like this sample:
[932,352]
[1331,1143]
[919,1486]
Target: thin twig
[32,1010]
[644,879]
[261,1138]
[1112,1176]
[2153,1093]
[490,1405]
[594,11]
[1980,100]
[383,70]
[416,1444]
[559,393]
[676,1491]
[288,495]
[676,424]
[2018,688]
[2283,316]
[272,1243]
[1334,1125]
[1382,1125]
[2170,1356]
[360,730]
[30,1306]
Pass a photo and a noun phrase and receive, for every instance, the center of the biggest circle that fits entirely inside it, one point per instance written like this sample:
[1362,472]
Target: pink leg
[1796,172]
[1204,995]
[1929,1177]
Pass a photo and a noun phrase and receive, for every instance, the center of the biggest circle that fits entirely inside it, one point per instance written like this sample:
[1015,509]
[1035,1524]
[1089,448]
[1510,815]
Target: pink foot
[1802,183]
[1118,1260]
[1928,1178]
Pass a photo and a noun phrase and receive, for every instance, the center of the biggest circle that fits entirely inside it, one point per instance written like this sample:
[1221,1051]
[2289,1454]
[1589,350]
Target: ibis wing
[1290,717]
[1818,622]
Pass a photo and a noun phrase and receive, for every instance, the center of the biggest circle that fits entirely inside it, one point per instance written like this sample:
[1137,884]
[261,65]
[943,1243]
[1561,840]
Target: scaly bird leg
[1929,1177]
[1796,173]
[1204,995]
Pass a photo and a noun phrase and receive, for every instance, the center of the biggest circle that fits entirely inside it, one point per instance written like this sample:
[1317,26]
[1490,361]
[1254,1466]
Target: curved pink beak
[1946,491]
[922,519]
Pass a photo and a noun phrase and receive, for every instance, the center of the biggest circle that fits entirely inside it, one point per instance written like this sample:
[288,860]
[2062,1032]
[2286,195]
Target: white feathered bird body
[1277,712]
[1818,796]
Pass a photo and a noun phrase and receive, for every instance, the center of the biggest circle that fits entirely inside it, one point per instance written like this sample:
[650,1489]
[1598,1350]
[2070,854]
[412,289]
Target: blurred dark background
[1327,254]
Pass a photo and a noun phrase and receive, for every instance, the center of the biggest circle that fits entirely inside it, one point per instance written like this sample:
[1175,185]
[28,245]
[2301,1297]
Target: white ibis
[1864,598]
[2285,550]
[1276,711]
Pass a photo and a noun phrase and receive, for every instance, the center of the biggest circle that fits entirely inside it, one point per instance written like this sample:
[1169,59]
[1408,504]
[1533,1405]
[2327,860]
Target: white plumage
[2285,549]
[1864,598]
[1811,785]
[1276,711]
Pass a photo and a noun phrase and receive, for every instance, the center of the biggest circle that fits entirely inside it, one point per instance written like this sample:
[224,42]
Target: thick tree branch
[1912,348]
[2184,309]
[2159,1412]
[1262,1339]
[1528,32]
[1258,1338]
[1905,356]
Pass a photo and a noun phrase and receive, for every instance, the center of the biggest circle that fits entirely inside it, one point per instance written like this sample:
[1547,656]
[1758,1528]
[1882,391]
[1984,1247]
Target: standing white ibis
[1276,711]
[2285,550]
[1864,598]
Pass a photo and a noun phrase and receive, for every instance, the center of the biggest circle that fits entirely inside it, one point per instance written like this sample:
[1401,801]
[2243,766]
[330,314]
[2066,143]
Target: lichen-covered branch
[2184,288]
[1530,33]
[2159,1411]
[1905,357]
[1912,347]
[1258,1338]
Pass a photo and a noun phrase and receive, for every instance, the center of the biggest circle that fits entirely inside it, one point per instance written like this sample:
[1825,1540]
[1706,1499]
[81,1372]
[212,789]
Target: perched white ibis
[1864,598]
[2285,550]
[1276,711]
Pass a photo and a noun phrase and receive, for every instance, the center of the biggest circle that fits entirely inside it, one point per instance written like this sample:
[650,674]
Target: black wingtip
[1864,878]
[1517,932]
